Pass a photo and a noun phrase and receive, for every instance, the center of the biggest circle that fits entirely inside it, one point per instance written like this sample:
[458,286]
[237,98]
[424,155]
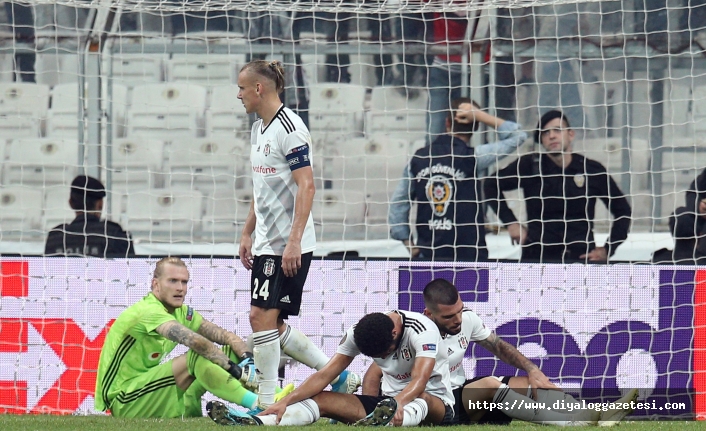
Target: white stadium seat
[398,111]
[23,108]
[41,161]
[136,163]
[20,210]
[55,69]
[206,163]
[339,214]
[226,114]
[226,211]
[167,110]
[211,69]
[163,214]
[336,109]
[137,69]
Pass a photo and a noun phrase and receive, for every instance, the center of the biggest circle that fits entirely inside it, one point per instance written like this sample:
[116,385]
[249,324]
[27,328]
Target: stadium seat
[42,161]
[313,65]
[136,163]
[398,111]
[202,69]
[20,211]
[62,117]
[226,211]
[7,63]
[339,214]
[137,69]
[163,214]
[336,109]
[207,164]
[167,110]
[23,108]
[699,109]
[226,114]
[370,165]
[53,68]
[56,207]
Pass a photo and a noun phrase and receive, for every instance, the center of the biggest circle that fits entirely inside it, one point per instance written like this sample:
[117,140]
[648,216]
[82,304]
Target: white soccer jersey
[284,145]
[420,339]
[472,329]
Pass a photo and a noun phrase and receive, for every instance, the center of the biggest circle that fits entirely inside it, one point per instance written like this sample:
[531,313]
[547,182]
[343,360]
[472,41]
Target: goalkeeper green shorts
[153,394]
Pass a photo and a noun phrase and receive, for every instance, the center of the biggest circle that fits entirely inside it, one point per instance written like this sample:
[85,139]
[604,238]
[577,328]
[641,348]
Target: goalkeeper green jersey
[132,346]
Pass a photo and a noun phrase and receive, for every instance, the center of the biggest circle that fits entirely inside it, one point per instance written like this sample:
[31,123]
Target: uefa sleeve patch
[429,347]
[189,313]
[298,158]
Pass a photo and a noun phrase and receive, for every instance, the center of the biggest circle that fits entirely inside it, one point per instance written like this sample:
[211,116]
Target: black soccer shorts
[270,288]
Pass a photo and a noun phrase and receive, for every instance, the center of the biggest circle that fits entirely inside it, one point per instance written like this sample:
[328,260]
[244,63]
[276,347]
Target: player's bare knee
[437,409]
[263,319]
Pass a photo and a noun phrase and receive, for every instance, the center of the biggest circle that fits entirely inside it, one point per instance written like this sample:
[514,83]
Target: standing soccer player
[280,217]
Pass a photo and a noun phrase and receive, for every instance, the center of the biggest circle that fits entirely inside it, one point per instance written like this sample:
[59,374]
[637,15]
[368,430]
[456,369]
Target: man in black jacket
[443,180]
[560,191]
[87,234]
[688,224]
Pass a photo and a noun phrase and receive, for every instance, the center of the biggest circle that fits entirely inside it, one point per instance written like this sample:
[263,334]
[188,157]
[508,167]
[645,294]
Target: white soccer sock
[524,408]
[266,352]
[300,348]
[302,413]
[415,412]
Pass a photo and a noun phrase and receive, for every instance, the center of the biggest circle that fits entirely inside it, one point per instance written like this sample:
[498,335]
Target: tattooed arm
[179,333]
[510,355]
[219,335]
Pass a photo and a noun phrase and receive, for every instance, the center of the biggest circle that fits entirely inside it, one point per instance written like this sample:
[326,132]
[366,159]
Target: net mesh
[146,100]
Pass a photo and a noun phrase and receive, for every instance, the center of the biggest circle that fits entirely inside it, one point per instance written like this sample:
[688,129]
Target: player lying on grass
[458,326]
[415,375]
[131,380]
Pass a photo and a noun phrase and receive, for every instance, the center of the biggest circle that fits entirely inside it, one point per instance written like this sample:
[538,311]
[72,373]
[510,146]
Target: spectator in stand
[87,234]
[688,224]
[443,180]
[445,71]
[20,17]
[560,190]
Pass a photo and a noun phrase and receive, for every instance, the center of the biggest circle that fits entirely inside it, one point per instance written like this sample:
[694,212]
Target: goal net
[143,96]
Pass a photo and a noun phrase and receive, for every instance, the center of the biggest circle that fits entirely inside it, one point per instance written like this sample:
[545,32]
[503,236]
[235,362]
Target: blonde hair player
[280,219]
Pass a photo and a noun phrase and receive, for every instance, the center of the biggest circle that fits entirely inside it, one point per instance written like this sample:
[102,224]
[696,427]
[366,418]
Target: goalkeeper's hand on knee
[246,374]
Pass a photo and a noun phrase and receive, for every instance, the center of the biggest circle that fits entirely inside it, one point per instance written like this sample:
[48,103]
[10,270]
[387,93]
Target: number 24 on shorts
[264,290]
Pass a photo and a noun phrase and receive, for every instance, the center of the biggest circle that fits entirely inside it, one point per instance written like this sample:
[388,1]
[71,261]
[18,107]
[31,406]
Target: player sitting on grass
[131,380]
[416,388]
[459,326]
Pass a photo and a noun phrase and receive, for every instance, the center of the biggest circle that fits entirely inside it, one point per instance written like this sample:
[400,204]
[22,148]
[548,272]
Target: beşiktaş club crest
[269,267]
[579,180]
[266,150]
[439,191]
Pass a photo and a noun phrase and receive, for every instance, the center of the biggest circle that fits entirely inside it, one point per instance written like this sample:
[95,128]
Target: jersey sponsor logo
[189,313]
[264,170]
[269,267]
[579,180]
[440,191]
[463,342]
[404,376]
[429,347]
[406,354]
[285,300]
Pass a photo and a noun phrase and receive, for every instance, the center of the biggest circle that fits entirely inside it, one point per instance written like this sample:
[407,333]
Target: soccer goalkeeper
[133,382]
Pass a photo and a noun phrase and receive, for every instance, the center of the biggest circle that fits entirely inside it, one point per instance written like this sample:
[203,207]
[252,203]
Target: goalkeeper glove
[248,375]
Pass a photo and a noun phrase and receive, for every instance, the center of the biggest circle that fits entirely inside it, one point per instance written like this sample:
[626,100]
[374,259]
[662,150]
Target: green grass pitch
[90,423]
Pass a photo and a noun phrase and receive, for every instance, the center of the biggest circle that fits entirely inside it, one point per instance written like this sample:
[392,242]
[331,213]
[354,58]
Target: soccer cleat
[613,417]
[224,415]
[347,383]
[382,415]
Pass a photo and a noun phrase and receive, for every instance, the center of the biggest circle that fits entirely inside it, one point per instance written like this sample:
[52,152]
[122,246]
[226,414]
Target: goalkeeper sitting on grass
[131,380]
